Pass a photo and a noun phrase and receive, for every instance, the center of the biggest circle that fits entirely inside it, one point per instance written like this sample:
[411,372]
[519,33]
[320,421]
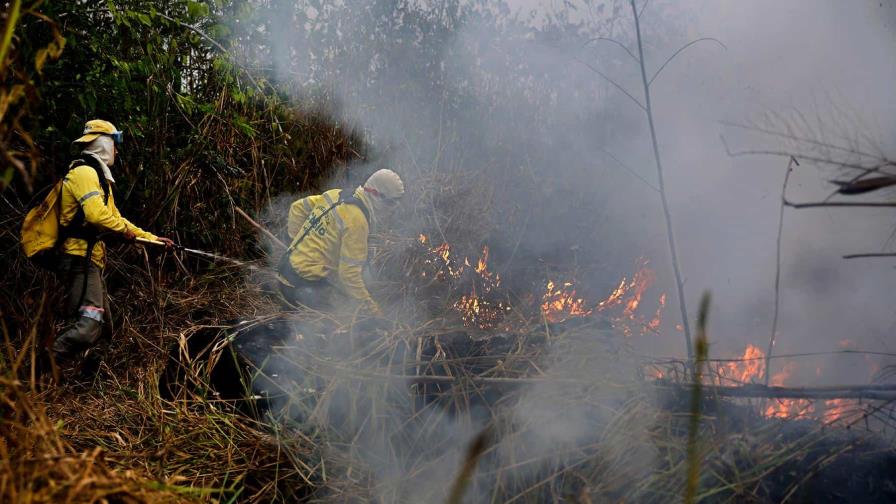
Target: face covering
[103,149]
[369,203]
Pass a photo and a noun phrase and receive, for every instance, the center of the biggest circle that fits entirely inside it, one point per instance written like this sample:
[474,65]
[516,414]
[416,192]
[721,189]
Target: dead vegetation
[560,406]
[349,411]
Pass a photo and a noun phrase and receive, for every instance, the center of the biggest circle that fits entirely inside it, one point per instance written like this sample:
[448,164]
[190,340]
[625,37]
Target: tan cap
[96,127]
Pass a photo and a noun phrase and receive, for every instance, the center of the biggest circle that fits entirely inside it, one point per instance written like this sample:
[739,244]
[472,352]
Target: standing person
[328,249]
[87,209]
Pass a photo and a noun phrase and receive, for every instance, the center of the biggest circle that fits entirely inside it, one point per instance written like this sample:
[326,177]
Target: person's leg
[85,302]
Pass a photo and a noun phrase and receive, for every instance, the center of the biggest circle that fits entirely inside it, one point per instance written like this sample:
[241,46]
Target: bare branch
[614,83]
[852,166]
[641,12]
[629,169]
[858,256]
[620,44]
[819,204]
[679,51]
[791,136]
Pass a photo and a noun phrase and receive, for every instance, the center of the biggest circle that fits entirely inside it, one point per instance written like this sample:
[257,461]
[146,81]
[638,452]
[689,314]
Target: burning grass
[347,410]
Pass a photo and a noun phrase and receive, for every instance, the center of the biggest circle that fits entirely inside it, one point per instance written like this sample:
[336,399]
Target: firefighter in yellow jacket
[87,210]
[328,249]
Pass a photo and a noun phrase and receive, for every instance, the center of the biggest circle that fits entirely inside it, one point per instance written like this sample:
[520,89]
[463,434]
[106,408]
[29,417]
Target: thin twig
[811,141]
[821,204]
[620,44]
[771,339]
[679,51]
[611,81]
[881,254]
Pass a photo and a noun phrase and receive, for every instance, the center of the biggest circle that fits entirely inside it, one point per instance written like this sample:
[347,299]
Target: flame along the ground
[749,368]
[560,302]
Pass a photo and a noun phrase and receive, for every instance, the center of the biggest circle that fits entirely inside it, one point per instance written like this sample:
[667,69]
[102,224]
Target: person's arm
[135,231]
[352,257]
[139,232]
[84,185]
[298,212]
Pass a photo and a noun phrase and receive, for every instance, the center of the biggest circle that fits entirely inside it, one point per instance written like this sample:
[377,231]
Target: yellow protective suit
[336,249]
[81,188]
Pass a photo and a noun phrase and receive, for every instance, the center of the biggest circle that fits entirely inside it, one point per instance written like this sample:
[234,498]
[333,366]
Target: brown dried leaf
[865,185]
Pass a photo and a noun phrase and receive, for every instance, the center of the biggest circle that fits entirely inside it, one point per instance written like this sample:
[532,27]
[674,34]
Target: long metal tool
[200,253]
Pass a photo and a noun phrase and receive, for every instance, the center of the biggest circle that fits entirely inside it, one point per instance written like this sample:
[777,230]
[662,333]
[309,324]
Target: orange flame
[473,309]
[841,410]
[560,303]
[787,408]
[831,411]
[628,295]
[654,325]
[750,367]
[482,265]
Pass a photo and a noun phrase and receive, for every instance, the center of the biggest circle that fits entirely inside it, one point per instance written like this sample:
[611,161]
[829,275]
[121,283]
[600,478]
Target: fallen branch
[259,227]
[880,392]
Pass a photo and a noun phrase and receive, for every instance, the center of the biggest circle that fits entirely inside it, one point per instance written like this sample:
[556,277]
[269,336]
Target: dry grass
[367,412]
[364,399]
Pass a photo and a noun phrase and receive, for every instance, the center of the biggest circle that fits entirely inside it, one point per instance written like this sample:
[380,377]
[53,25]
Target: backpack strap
[95,164]
[77,227]
[283,266]
[351,199]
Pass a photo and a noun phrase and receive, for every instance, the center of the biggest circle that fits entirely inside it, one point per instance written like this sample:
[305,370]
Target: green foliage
[196,121]
[22,60]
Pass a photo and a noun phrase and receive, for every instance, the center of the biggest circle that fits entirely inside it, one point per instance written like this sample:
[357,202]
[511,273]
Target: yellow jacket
[81,188]
[336,250]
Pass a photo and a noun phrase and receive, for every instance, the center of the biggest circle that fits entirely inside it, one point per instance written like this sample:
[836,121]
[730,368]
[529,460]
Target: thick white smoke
[825,68]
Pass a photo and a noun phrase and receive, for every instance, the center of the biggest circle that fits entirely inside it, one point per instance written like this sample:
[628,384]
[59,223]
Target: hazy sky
[832,62]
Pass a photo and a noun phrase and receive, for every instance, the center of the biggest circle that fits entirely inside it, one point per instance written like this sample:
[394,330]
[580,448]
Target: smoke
[508,131]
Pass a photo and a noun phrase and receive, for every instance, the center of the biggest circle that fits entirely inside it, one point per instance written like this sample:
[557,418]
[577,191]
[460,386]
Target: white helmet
[385,184]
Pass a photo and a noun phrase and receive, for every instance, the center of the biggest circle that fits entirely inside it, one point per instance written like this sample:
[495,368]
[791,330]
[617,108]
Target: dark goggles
[117,137]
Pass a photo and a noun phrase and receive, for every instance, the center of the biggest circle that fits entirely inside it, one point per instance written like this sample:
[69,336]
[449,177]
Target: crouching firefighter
[65,234]
[328,248]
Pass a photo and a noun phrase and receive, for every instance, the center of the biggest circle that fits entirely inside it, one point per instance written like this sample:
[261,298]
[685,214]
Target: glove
[129,235]
[169,243]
